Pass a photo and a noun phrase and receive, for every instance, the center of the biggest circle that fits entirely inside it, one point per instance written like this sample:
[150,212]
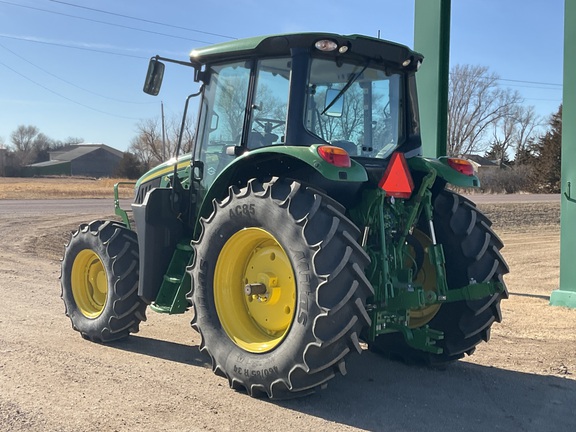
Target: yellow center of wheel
[89,283]
[256,322]
[426,277]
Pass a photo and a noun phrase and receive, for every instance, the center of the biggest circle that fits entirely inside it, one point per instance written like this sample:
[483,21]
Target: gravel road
[53,380]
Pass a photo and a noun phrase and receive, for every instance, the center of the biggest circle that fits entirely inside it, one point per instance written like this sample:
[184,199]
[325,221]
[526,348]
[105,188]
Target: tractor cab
[355,93]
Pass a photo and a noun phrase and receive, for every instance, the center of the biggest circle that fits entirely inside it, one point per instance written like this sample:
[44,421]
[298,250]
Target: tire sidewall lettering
[243,210]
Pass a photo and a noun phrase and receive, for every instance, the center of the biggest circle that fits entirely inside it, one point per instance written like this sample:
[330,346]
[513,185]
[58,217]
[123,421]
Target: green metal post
[432,39]
[566,294]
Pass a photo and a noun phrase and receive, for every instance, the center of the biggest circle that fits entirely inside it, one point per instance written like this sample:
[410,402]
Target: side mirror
[334,103]
[154,77]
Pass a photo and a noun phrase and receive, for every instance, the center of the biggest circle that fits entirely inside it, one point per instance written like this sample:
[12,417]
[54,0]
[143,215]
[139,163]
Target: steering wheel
[268,124]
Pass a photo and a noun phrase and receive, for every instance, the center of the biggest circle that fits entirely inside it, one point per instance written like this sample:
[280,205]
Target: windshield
[356,107]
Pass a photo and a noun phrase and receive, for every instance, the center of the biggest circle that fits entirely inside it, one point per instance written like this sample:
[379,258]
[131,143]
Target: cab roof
[377,50]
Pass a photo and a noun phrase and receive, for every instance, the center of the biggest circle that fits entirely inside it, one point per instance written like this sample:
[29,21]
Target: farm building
[90,160]
[482,164]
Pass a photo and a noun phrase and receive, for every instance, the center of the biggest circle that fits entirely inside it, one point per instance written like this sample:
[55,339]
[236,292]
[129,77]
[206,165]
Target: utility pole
[163,132]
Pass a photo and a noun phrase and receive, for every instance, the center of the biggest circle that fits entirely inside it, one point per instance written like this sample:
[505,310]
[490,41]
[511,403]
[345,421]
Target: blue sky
[71,70]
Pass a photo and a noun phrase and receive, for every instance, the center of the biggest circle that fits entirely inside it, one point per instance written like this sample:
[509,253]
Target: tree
[42,146]
[512,133]
[148,146]
[498,153]
[476,103]
[130,167]
[527,123]
[547,156]
[23,140]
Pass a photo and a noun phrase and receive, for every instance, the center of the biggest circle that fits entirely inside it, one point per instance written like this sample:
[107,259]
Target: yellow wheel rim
[89,283]
[426,277]
[256,319]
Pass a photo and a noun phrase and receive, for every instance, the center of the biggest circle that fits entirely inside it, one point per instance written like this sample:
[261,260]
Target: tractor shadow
[165,350]
[379,394]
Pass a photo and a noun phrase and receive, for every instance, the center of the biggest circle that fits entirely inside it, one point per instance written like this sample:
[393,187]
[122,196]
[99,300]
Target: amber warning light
[397,181]
[462,166]
[335,155]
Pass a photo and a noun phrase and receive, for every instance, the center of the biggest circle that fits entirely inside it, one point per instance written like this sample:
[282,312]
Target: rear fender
[294,162]
[443,171]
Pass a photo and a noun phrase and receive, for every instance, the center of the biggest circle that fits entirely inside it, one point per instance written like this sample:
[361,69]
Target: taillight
[335,155]
[397,181]
[461,165]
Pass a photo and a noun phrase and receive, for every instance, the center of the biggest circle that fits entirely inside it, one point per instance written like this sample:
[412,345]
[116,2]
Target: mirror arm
[182,126]
[169,60]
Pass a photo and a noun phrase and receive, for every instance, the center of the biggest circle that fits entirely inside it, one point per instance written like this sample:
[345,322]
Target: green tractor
[304,225]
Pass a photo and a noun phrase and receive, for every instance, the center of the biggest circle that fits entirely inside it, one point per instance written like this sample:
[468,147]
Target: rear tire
[292,350]
[472,251]
[99,281]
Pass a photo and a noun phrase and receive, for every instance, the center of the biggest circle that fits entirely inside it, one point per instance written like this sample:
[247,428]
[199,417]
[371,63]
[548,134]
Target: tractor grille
[145,188]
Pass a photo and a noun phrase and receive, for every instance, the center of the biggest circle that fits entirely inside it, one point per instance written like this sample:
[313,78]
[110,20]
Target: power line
[64,97]
[530,82]
[534,87]
[72,84]
[496,78]
[545,100]
[192,30]
[71,46]
[143,20]
[104,22]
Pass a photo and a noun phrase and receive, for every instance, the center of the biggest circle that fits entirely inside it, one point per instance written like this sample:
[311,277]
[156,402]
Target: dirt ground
[51,379]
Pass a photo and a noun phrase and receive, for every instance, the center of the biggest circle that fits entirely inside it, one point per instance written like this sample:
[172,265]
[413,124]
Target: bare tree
[513,132]
[23,141]
[527,126]
[476,103]
[148,147]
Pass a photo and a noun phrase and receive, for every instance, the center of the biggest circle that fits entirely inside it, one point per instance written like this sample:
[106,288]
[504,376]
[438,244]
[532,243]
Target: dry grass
[61,188]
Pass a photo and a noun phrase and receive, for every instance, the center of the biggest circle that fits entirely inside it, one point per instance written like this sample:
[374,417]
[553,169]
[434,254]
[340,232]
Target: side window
[222,116]
[270,105]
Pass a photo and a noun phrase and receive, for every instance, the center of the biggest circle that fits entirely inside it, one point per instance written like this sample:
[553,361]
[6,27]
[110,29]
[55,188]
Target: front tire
[99,281]
[279,289]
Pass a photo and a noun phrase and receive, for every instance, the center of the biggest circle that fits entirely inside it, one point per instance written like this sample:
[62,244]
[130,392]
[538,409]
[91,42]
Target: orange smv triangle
[397,181]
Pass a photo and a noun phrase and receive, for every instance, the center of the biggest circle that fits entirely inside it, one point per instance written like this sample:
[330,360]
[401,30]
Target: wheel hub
[254,290]
[89,283]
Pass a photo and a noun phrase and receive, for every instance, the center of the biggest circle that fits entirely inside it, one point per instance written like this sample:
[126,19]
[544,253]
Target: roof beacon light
[463,166]
[326,45]
[397,181]
[336,156]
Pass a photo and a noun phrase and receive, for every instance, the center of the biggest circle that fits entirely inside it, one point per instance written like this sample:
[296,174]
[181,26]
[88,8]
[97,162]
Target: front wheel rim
[256,322]
[89,283]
